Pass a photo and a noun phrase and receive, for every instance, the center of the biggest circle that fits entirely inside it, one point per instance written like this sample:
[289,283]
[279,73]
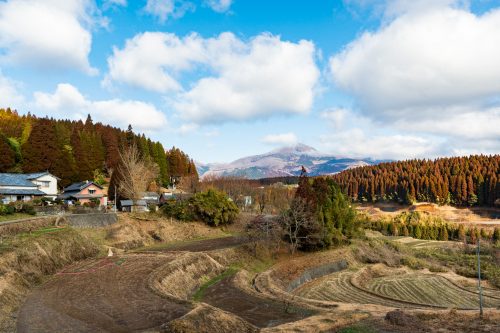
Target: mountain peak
[299,148]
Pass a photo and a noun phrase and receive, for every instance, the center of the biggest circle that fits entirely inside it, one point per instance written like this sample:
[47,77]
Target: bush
[7,210]
[179,209]
[212,207]
[28,209]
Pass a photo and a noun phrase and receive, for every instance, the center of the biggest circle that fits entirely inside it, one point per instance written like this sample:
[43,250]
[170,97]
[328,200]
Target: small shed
[134,206]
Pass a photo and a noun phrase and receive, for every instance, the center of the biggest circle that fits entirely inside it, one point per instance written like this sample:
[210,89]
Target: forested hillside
[461,181]
[76,150]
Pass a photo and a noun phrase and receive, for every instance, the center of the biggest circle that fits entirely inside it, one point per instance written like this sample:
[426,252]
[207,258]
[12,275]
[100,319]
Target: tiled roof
[79,186]
[15,179]
[10,191]
[39,174]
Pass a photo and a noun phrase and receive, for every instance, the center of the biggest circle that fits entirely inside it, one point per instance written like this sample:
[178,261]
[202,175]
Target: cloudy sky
[222,79]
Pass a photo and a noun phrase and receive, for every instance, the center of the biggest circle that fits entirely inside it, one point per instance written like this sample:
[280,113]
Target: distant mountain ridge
[281,162]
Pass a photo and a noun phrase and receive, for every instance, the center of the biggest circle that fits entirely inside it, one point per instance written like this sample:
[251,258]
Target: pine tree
[7,155]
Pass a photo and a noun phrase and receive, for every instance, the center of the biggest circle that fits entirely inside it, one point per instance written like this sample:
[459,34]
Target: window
[92,191]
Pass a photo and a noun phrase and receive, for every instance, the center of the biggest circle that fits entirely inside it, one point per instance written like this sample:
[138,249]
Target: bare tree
[294,221]
[136,173]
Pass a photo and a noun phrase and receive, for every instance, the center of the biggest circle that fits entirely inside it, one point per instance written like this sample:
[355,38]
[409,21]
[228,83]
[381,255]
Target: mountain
[286,161]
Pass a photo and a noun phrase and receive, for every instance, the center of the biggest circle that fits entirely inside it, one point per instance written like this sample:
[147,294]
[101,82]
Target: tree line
[76,150]
[460,181]
[420,226]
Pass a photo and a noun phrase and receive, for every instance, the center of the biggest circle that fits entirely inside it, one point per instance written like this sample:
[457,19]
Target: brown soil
[203,245]
[119,294]
[256,310]
[108,298]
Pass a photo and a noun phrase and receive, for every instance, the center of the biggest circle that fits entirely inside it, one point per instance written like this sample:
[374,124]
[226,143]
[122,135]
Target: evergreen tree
[7,155]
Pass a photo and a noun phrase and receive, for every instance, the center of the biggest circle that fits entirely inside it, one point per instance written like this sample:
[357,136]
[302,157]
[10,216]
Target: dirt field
[100,296]
[487,217]
[153,289]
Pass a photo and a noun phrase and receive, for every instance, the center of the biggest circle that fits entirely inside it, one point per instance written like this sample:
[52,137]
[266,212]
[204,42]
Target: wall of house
[91,187]
[51,190]
[13,198]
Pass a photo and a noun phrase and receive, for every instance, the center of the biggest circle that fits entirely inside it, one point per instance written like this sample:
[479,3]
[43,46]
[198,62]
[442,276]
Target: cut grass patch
[198,296]
[42,231]
[14,217]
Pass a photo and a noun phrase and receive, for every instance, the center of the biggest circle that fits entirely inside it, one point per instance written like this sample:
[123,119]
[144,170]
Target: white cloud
[187,128]
[68,99]
[219,6]
[9,92]
[355,143]
[253,79]
[263,77]
[150,60]
[423,59]
[47,34]
[285,139]
[163,9]
[336,116]
[466,123]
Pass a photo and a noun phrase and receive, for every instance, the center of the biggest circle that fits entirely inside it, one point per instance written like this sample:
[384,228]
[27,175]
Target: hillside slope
[461,181]
[75,150]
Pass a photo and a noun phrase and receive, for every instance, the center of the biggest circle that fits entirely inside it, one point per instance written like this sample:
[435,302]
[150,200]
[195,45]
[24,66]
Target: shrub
[212,207]
[28,209]
[7,210]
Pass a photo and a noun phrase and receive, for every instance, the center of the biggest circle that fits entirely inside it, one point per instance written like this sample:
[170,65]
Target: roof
[21,179]
[10,191]
[80,186]
[127,203]
[15,179]
[40,174]
[150,194]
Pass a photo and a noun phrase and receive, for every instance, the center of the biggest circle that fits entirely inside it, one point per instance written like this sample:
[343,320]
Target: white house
[26,187]
[46,182]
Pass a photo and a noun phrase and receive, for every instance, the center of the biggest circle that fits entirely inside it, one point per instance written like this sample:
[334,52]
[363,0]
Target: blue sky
[222,79]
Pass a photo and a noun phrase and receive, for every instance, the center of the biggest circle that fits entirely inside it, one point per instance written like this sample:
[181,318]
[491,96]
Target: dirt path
[108,295]
[258,311]
[203,245]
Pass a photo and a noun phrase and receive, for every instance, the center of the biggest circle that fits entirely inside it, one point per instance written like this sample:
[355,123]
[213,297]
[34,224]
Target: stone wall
[317,272]
[97,220]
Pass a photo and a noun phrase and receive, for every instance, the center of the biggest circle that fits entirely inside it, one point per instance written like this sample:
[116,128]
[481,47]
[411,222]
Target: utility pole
[479,278]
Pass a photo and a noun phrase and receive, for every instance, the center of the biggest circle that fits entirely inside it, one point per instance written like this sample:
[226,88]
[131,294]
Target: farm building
[134,206]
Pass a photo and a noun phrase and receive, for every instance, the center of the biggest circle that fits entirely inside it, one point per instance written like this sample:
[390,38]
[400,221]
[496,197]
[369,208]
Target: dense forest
[461,181]
[77,150]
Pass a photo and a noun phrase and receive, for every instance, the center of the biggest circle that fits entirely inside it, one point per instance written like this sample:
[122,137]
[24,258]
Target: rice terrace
[226,166]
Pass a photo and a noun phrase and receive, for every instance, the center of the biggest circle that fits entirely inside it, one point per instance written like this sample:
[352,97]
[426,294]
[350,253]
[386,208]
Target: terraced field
[433,290]
[337,287]
[402,290]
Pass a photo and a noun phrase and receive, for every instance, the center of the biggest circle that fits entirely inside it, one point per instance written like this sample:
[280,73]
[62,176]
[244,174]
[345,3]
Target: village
[42,189]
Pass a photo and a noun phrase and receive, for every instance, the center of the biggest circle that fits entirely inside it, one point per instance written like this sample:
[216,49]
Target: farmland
[167,276]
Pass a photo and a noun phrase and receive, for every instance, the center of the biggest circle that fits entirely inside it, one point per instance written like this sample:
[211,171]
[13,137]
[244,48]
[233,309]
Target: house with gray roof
[84,192]
[26,187]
